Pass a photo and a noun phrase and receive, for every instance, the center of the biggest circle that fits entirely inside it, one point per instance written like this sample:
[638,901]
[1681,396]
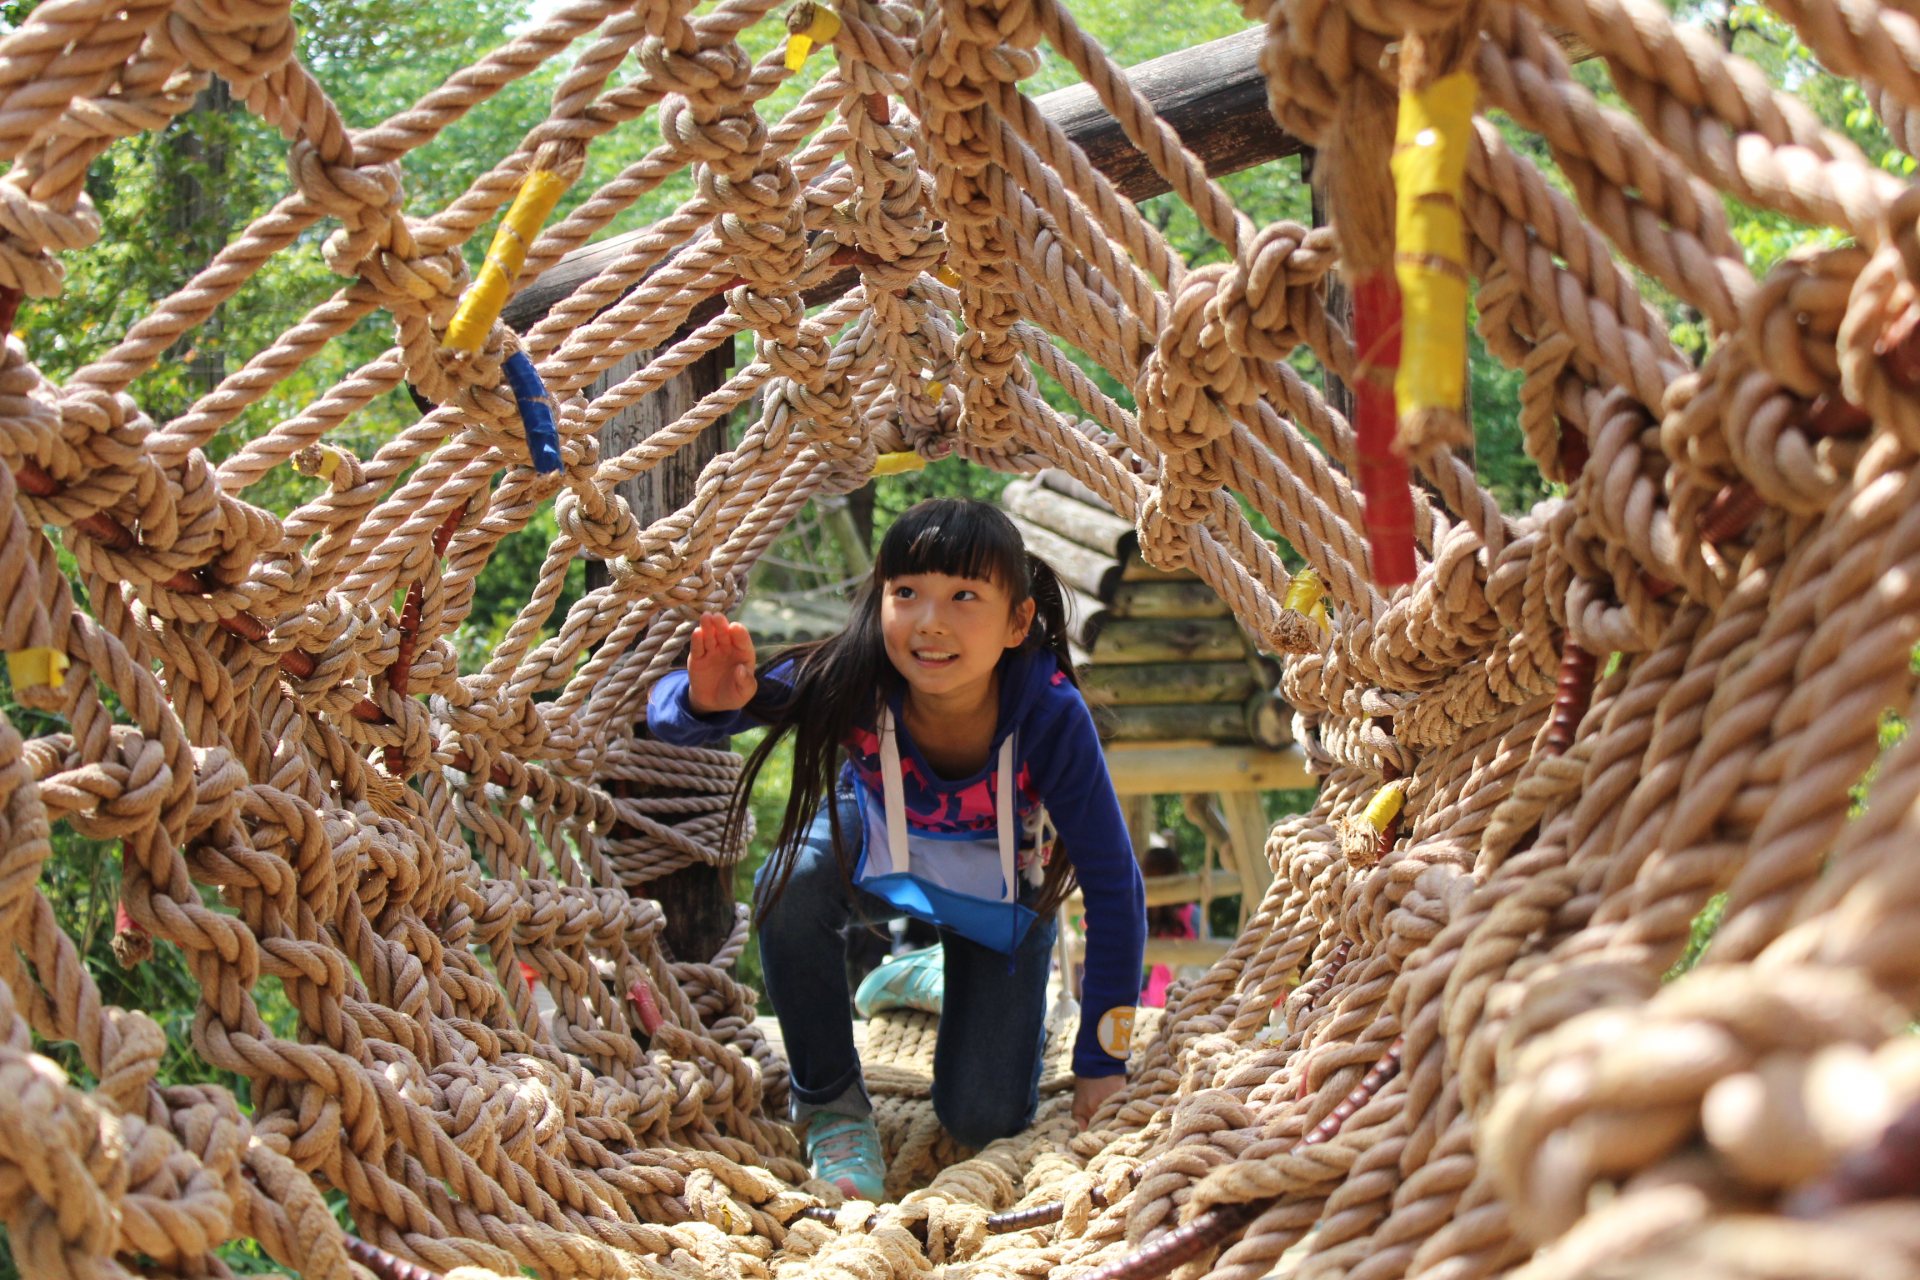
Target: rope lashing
[400,674]
[1307,596]
[898,464]
[1383,814]
[536,412]
[646,1005]
[1384,478]
[808,24]
[1886,1168]
[1432,138]
[1040,1215]
[37,667]
[480,307]
[1310,991]
[1573,693]
[321,461]
[1898,348]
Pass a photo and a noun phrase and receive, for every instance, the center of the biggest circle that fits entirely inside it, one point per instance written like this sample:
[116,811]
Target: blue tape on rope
[536,412]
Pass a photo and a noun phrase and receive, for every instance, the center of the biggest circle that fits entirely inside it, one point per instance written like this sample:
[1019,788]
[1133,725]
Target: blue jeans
[986,1062]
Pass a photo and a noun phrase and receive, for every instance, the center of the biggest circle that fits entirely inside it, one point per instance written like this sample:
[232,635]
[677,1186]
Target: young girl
[952,694]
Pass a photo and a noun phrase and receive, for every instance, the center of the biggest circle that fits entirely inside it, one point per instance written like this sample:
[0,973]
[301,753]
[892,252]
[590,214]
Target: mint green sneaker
[916,980]
[845,1151]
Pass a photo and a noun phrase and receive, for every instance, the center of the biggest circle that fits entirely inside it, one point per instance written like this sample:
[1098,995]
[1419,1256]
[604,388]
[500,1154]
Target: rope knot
[1190,370]
[1271,299]
[731,143]
[1166,539]
[32,231]
[241,41]
[435,281]
[364,198]
[801,359]
[695,78]
[603,524]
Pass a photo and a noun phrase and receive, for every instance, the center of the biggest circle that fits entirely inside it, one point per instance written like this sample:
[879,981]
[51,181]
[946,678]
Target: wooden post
[697,900]
[1339,303]
[1137,810]
[671,485]
[1247,828]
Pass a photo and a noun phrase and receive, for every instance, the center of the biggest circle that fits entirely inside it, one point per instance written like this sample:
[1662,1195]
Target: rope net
[1663,684]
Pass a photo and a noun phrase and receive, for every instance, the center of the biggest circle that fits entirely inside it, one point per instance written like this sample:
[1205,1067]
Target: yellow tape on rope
[1430,146]
[505,256]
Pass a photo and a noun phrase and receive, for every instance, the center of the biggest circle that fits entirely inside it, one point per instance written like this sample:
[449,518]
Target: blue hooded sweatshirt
[1058,764]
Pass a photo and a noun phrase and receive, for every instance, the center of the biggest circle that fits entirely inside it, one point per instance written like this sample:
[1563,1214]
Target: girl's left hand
[1089,1093]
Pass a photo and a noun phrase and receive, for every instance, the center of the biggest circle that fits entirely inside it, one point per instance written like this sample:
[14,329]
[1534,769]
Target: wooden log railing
[1213,95]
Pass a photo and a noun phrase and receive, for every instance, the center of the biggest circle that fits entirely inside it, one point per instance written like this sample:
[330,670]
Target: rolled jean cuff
[850,1100]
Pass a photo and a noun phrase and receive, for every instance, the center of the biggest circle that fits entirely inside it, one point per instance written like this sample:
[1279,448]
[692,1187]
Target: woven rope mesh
[1661,686]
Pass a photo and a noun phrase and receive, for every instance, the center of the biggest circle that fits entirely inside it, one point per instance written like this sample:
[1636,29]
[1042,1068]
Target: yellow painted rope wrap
[1306,596]
[326,461]
[893,464]
[824,26]
[505,256]
[37,667]
[1386,804]
[1430,145]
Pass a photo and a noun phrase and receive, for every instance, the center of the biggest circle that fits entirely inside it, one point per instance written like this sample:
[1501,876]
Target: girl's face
[945,634]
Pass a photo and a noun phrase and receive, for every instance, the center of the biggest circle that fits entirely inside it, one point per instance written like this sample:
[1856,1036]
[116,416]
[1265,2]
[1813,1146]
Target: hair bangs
[959,537]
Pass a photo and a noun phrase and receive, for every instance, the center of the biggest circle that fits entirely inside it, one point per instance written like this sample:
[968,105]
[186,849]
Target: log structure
[1183,697]
[1162,657]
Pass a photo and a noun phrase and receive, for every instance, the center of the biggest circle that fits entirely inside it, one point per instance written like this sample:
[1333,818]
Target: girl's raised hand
[720,666]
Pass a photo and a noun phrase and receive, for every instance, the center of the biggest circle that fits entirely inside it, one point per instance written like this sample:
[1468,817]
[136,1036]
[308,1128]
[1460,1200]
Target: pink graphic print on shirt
[933,805]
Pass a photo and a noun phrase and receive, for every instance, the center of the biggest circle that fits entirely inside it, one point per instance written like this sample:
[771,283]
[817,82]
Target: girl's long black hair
[840,683]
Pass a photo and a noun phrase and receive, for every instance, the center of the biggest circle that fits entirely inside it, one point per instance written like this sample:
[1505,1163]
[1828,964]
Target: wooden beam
[1213,95]
[1187,640]
[1158,683]
[1175,953]
[1159,769]
[670,485]
[1138,813]
[1220,722]
[1166,891]
[1248,826]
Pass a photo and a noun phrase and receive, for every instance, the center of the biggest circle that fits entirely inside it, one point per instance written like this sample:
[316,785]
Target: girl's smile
[946,634]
